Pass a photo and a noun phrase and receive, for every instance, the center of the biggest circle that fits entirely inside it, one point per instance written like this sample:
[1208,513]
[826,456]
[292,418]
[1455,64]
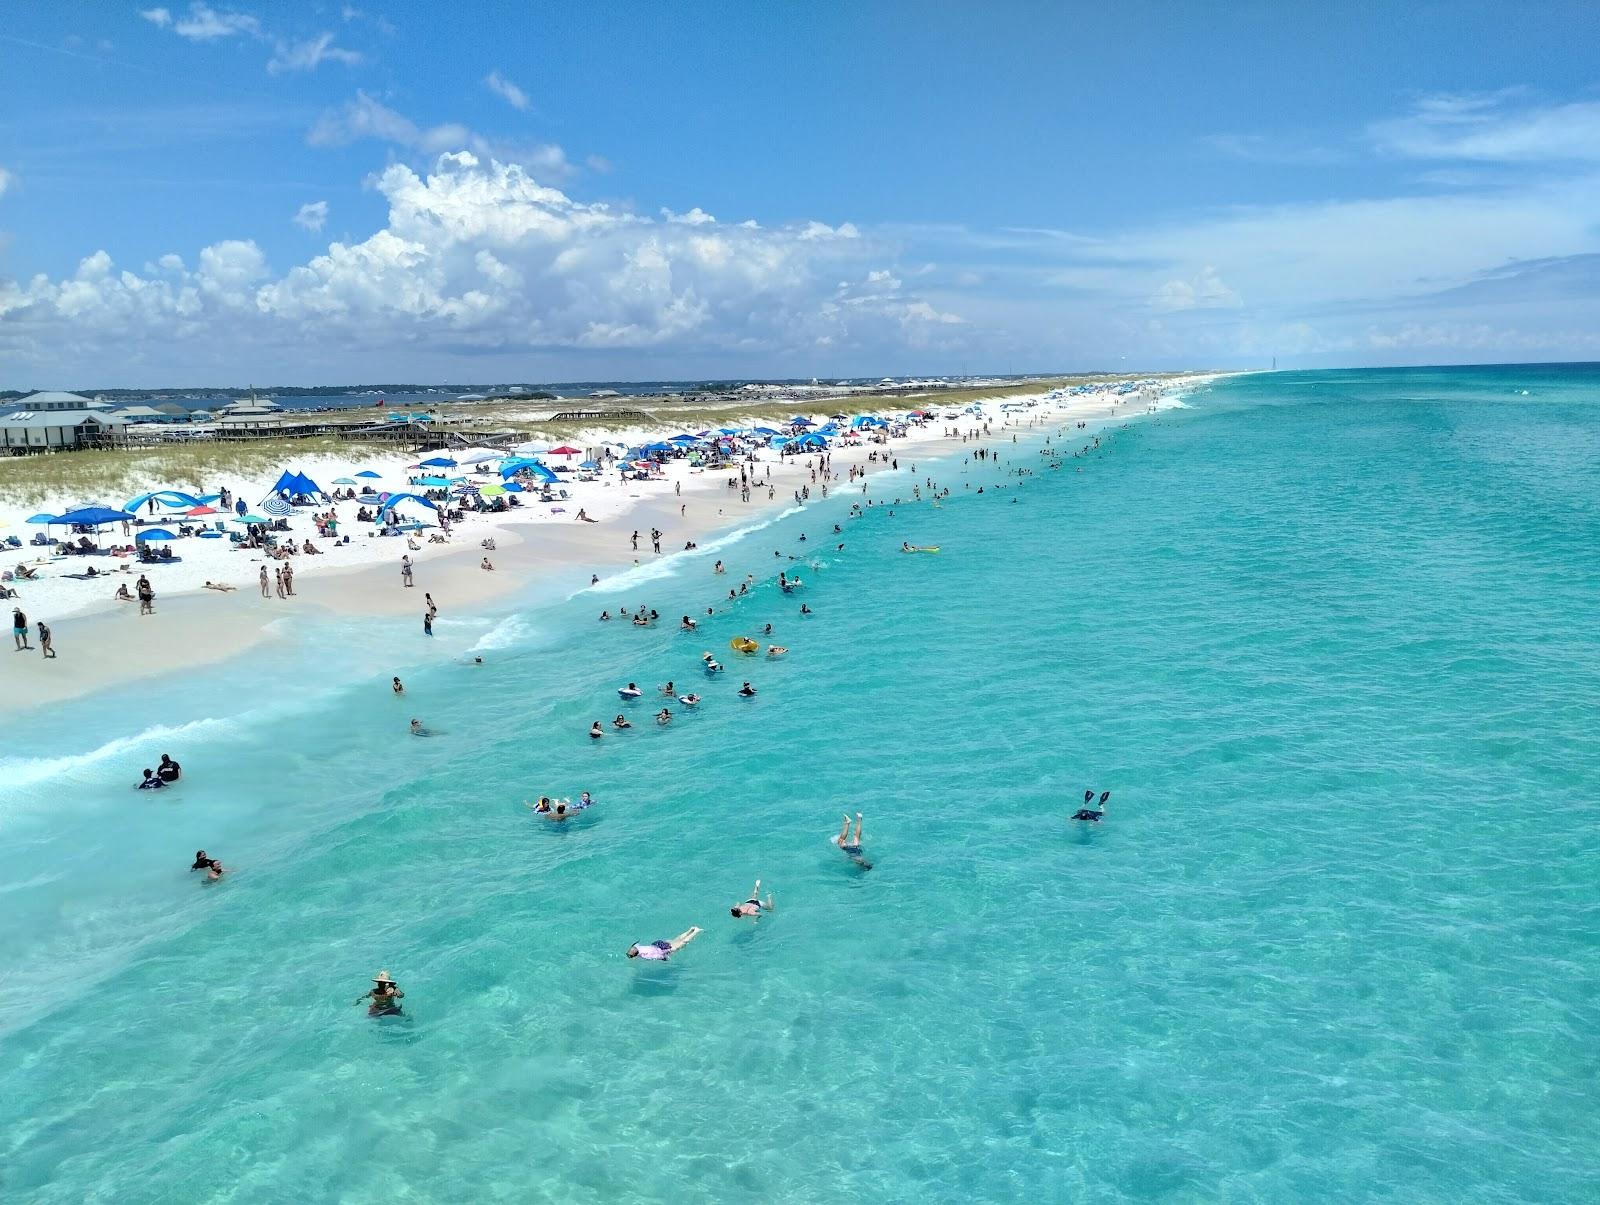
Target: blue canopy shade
[588,464]
[659,448]
[523,465]
[437,483]
[396,499]
[727,431]
[799,421]
[94,516]
[763,430]
[295,484]
[166,498]
[438,462]
[810,441]
[155,533]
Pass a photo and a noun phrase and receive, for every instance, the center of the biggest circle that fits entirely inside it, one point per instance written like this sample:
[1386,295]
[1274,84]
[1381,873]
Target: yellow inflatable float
[743,644]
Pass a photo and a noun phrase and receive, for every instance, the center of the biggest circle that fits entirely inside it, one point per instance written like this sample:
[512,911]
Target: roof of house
[59,418]
[51,395]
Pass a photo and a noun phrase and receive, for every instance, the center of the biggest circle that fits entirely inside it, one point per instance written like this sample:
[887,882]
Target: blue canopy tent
[437,483]
[764,431]
[800,420]
[659,447]
[154,533]
[589,465]
[394,500]
[523,465]
[437,462]
[809,441]
[296,485]
[681,437]
[94,516]
[727,431]
[171,498]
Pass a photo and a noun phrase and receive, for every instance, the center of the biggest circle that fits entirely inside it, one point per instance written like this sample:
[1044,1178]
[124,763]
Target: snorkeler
[660,951]
[384,998]
[754,906]
[1092,812]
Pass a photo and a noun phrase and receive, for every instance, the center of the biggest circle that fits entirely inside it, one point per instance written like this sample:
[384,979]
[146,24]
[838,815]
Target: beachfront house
[25,431]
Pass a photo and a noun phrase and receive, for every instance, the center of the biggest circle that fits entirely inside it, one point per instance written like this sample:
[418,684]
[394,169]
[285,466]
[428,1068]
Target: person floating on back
[1092,812]
[660,951]
[755,905]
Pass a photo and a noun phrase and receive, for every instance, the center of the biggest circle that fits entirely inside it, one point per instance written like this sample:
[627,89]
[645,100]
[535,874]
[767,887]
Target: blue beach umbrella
[344,480]
[800,421]
[155,533]
[369,473]
[438,462]
[43,519]
[764,431]
[277,506]
[588,464]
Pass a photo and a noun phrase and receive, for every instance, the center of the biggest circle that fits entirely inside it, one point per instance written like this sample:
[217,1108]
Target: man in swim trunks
[754,906]
[852,845]
[660,951]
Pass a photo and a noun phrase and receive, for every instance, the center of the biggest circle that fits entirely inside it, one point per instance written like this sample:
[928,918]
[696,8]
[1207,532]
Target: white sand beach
[100,641]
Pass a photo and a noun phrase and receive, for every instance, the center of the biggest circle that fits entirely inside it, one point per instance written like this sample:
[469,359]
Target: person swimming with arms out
[660,951]
[851,845]
[754,906]
[620,723]
[747,691]
[664,717]
[1092,812]
[384,998]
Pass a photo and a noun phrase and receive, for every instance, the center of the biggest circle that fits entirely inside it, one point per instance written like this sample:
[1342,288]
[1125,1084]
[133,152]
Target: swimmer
[689,700]
[151,782]
[747,691]
[1090,811]
[605,616]
[851,846]
[767,631]
[384,998]
[805,610]
[394,685]
[201,860]
[663,717]
[542,806]
[630,691]
[668,690]
[169,771]
[417,729]
[717,568]
[713,666]
[620,723]
[595,731]
[660,951]
[754,906]
[585,800]
[687,624]
[776,650]
[214,870]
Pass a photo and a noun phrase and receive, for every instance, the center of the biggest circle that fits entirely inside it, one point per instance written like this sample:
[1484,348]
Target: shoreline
[191,630]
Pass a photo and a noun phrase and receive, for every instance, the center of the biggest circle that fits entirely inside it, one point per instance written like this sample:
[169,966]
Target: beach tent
[172,498]
[810,441]
[396,499]
[154,533]
[478,456]
[295,484]
[437,462]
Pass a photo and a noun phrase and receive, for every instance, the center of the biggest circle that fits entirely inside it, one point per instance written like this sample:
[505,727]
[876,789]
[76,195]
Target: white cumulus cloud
[203,23]
[312,215]
[507,91]
[479,257]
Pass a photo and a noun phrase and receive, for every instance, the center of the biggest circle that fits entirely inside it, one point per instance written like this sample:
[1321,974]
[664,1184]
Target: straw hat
[382,977]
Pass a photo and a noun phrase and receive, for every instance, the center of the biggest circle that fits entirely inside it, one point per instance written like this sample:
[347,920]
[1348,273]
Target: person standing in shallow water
[384,998]
[266,591]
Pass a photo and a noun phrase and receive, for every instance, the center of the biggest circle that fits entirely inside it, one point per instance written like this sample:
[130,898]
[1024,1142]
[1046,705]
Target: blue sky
[296,193]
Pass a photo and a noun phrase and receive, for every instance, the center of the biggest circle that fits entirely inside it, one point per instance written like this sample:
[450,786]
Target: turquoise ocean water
[1332,640]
